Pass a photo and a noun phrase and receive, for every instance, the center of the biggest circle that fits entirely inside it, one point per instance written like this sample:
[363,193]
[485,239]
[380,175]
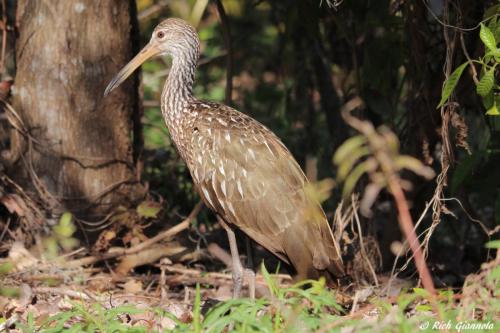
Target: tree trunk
[79,154]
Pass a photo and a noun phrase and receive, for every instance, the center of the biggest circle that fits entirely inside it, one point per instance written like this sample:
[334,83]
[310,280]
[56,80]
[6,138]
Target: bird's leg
[237,267]
[249,248]
[250,271]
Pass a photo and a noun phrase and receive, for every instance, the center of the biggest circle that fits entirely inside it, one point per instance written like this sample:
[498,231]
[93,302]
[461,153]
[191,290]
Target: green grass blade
[197,310]
[451,83]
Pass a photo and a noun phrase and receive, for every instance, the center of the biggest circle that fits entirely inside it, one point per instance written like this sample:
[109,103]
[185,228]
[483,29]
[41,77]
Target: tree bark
[78,155]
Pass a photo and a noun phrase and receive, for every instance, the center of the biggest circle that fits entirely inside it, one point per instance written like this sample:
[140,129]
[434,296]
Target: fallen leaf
[149,209]
[132,286]
[21,257]
[10,202]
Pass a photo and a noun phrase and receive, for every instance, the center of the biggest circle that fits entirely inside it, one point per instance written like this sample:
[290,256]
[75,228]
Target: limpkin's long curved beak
[147,52]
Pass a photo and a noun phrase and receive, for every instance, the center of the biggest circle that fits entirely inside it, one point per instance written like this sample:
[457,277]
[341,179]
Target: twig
[152,10]
[447,25]
[469,60]
[229,49]
[219,253]
[6,228]
[398,255]
[4,36]
[9,322]
[167,233]
[446,110]
[481,225]
[64,292]
[362,248]
[216,275]
[357,314]
[118,252]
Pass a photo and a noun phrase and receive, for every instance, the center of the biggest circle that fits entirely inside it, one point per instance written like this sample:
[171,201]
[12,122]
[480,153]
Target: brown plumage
[241,169]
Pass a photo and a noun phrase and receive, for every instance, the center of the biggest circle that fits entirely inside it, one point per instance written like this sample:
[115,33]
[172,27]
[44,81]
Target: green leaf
[493,111]
[347,147]
[488,38]
[484,86]
[68,243]
[421,292]
[414,164]
[320,191]
[493,244]
[271,283]
[6,267]
[423,307]
[65,219]
[488,100]
[367,166]
[494,274]
[489,54]
[451,83]
[148,209]
[347,163]
[65,228]
[50,244]
[10,292]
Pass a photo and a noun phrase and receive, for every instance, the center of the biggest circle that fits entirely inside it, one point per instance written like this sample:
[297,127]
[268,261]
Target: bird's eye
[160,34]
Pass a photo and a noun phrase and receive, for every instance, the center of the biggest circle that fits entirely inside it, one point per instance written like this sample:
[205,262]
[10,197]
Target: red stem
[406,223]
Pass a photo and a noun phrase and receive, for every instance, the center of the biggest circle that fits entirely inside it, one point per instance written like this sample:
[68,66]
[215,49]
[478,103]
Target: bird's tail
[313,251]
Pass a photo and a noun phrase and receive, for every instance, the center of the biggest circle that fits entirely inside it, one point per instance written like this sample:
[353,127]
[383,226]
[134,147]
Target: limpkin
[242,171]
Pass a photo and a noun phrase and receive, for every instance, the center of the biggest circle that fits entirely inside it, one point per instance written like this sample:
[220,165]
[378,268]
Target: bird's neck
[178,90]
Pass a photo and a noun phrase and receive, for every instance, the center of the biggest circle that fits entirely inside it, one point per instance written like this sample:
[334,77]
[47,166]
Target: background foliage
[297,62]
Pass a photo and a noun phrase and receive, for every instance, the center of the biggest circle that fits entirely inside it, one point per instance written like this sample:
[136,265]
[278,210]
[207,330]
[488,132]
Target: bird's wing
[246,174]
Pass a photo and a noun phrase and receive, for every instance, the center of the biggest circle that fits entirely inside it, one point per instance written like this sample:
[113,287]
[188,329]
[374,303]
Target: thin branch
[146,13]
[229,49]
[114,253]
[447,25]
[4,36]
[469,60]
[167,233]
[400,253]
[64,292]
[362,248]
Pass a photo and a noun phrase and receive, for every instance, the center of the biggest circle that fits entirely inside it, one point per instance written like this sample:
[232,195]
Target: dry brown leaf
[101,283]
[4,302]
[20,257]
[10,201]
[224,292]
[104,240]
[459,124]
[132,286]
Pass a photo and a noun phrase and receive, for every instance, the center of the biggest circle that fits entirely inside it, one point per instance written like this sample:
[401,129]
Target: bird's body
[241,169]
[245,174]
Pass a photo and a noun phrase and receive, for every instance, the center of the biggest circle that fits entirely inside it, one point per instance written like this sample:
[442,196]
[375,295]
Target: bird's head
[173,37]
